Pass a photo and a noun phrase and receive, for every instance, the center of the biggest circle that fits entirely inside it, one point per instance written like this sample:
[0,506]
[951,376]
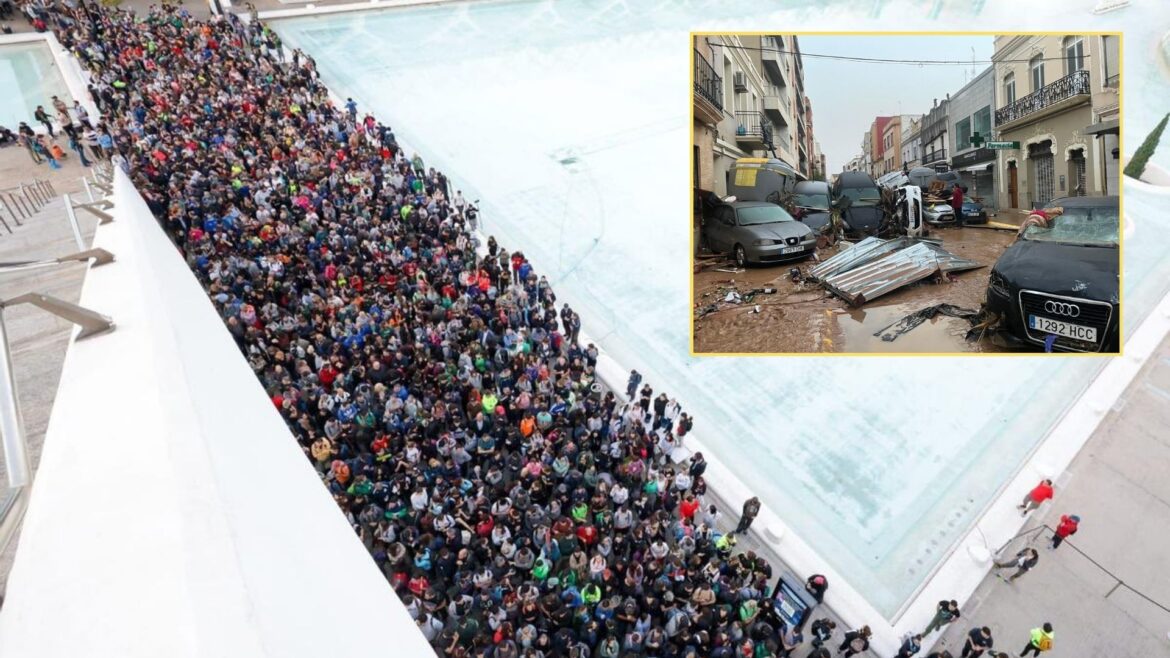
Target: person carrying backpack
[1041,640]
[822,631]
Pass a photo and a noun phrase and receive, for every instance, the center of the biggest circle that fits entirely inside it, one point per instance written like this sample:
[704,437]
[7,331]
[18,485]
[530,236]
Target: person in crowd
[516,506]
[43,118]
[910,646]
[751,507]
[855,641]
[978,641]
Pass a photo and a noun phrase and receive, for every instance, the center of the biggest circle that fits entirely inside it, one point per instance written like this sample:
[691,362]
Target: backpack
[1045,643]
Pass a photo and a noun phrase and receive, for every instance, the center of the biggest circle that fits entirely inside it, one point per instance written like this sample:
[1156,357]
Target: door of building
[1043,173]
[1013,185]
[1076,172]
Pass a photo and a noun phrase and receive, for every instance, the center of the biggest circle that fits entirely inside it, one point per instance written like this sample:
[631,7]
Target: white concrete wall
[173,513]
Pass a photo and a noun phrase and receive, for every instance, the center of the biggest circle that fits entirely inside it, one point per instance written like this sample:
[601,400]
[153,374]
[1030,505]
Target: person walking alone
[751,507]
[947,612]
[1041,640]
[1022,562]
[1068,526]
[978,641]
[1036,497]
[632,384]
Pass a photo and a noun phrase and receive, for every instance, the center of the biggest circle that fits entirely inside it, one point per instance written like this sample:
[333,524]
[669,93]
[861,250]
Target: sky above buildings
[847,95]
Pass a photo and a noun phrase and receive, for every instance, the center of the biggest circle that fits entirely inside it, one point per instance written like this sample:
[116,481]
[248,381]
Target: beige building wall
[1059,129]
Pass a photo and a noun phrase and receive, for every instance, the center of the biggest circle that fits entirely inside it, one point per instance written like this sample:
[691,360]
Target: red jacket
[1067,527]
[957,199]
[1041,493]
[687,509]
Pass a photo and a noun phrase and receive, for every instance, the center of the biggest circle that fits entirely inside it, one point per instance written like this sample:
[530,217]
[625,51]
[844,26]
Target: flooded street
[804,317]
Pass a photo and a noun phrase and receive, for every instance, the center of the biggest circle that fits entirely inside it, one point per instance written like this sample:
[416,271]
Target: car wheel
[740,256]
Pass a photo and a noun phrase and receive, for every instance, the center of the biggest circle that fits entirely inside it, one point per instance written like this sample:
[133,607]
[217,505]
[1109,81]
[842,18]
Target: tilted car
[756,232]
[860,201]
[1058,287]
[811,198]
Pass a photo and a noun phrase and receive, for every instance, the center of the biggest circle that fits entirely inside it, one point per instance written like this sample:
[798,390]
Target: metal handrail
[16,461]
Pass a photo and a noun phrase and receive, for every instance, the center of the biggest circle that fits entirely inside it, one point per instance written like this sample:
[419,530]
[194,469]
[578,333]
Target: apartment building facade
[1057,95]
[748,101]
[971,114]
[933,135]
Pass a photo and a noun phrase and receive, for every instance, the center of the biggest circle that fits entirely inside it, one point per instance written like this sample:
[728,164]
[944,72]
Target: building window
[982,121]
[1074,55]
[1036,66]
[963,134]
[1009,88]
[1111,54]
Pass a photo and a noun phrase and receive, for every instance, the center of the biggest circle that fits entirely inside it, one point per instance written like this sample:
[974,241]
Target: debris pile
[728,296]
[891,332]
[875,267]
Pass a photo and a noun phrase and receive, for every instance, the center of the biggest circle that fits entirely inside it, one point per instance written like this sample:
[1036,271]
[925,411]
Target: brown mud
[804,317]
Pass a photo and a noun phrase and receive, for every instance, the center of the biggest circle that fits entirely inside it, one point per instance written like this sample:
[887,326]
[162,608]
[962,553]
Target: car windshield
[769,214]
[1091,226]
[862,196]
[815,201]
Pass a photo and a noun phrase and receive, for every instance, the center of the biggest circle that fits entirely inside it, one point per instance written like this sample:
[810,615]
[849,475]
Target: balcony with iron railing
[708,95]
[931,157]
[752,129]
[1070,90]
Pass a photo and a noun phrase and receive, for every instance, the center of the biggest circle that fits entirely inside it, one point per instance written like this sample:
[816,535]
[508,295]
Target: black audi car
[859,199]
[1058,287]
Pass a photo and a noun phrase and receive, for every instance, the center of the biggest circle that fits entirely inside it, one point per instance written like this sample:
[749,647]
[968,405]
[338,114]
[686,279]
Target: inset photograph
[934,194]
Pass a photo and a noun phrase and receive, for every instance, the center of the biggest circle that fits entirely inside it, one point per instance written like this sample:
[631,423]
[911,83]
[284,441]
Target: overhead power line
[880,60]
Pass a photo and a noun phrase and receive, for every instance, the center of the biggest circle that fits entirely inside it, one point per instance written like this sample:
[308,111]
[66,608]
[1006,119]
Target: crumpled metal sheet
[863,252]
[888,273]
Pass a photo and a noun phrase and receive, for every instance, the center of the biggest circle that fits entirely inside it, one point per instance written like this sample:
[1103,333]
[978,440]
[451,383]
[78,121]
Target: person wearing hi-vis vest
[1041,640]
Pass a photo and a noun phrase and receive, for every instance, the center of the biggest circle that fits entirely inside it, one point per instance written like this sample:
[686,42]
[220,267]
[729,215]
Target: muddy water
[802,317]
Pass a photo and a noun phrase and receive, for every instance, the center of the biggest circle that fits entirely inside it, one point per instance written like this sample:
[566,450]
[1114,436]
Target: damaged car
[859,199]
[756,232]
[810,198]
[1057,287]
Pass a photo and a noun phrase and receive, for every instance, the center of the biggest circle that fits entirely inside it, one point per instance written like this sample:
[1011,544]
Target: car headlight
[761,243]
[996,283]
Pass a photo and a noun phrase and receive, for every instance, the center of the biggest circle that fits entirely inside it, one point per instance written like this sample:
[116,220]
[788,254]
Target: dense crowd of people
[517,506]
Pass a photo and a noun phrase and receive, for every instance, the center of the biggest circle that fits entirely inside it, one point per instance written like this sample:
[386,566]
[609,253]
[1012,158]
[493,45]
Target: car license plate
[1061,328]
[792,250]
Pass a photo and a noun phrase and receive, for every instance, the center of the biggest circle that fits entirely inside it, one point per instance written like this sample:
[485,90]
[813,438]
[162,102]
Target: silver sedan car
[757,232]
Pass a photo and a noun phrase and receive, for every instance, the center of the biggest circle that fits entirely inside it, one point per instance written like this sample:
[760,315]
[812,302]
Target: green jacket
[1038,637]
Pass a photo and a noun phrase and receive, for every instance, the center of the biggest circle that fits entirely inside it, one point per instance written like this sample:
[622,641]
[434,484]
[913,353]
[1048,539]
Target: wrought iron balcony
[934,156]
[708,90]
[1070,86]
[752,129]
